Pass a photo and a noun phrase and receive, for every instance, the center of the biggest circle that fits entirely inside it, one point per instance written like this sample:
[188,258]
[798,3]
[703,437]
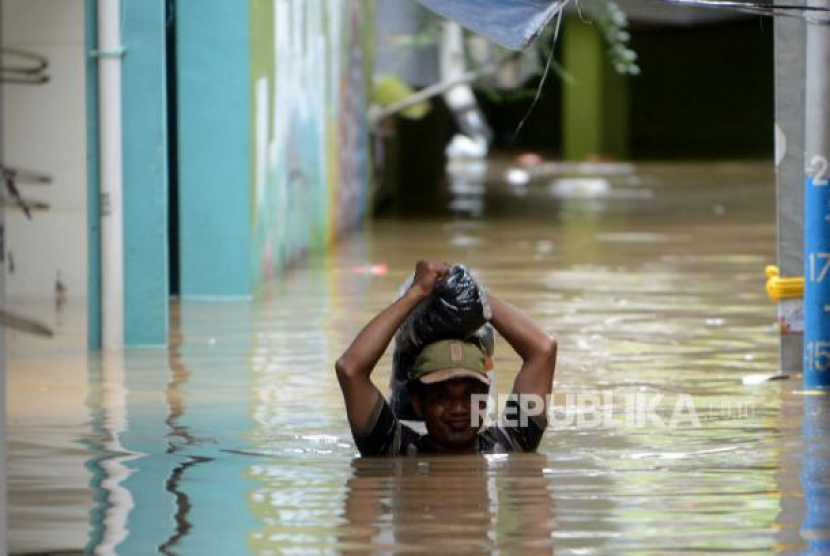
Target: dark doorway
[172,151]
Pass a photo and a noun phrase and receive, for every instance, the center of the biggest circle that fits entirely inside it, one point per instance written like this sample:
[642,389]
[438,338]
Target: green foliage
[613,24]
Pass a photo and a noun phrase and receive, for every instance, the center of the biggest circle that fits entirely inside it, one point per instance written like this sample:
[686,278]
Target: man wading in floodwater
[444,380]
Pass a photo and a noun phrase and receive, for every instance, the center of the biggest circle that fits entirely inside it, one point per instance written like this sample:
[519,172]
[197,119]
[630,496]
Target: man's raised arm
[356,364]
[535,346]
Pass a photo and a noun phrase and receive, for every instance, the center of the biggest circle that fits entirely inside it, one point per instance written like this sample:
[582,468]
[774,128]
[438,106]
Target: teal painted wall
[144,117]
[213,57]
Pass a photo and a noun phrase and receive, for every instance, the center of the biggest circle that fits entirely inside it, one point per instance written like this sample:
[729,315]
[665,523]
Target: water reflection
[452,504]
[815,474]
[178,437]
[467,186]
[114,501]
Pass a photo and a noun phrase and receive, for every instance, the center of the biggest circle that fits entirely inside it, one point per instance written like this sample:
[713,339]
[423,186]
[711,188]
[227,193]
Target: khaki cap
[447,359]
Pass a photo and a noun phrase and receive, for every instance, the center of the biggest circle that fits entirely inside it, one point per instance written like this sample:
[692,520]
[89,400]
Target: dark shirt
[389,437]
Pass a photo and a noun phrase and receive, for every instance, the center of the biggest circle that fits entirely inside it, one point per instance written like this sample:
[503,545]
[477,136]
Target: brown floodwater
[234,440]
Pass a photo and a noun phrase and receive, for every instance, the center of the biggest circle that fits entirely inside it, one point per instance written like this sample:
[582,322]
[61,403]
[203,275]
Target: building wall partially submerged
[261,121]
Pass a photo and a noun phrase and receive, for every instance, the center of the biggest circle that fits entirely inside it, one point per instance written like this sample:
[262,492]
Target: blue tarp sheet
[513,24]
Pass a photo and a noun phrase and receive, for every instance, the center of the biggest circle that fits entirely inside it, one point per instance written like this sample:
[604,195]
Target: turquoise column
[93,210]
[213,57]
[144,97]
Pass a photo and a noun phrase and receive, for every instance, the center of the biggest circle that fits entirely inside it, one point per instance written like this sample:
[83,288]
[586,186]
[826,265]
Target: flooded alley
[234,440]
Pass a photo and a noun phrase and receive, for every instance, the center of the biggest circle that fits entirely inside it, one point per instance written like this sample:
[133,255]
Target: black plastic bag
[457,309]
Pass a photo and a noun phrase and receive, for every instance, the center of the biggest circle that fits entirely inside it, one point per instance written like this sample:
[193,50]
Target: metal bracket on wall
[119,52]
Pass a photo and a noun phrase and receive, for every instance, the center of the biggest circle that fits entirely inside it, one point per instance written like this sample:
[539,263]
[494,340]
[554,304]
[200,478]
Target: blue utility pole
[817,206]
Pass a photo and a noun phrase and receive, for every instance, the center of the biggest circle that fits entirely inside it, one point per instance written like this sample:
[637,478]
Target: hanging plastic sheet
[513,24]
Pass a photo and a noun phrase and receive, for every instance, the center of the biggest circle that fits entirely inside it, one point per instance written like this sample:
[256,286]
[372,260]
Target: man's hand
[355,366]
[427,274]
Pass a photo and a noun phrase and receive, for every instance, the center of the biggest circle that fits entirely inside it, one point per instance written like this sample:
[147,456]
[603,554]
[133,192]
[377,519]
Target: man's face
[449,414]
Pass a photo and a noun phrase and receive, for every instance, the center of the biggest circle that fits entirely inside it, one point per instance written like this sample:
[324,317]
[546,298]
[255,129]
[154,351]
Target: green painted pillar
[595,104]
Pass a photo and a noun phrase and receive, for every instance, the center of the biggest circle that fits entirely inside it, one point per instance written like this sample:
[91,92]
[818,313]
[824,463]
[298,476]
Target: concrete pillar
[144,140]
[595,105]
[789,165]
[214,146]
[817,206]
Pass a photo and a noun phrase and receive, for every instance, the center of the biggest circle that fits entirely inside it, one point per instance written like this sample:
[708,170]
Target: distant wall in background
[705,91]
[309,71]
[396,19]
[44,129]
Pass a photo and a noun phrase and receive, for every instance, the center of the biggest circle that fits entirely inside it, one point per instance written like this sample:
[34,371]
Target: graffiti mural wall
[310,158]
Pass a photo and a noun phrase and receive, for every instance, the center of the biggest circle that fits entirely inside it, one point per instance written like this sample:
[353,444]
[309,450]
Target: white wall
[3,494]
[44,129]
